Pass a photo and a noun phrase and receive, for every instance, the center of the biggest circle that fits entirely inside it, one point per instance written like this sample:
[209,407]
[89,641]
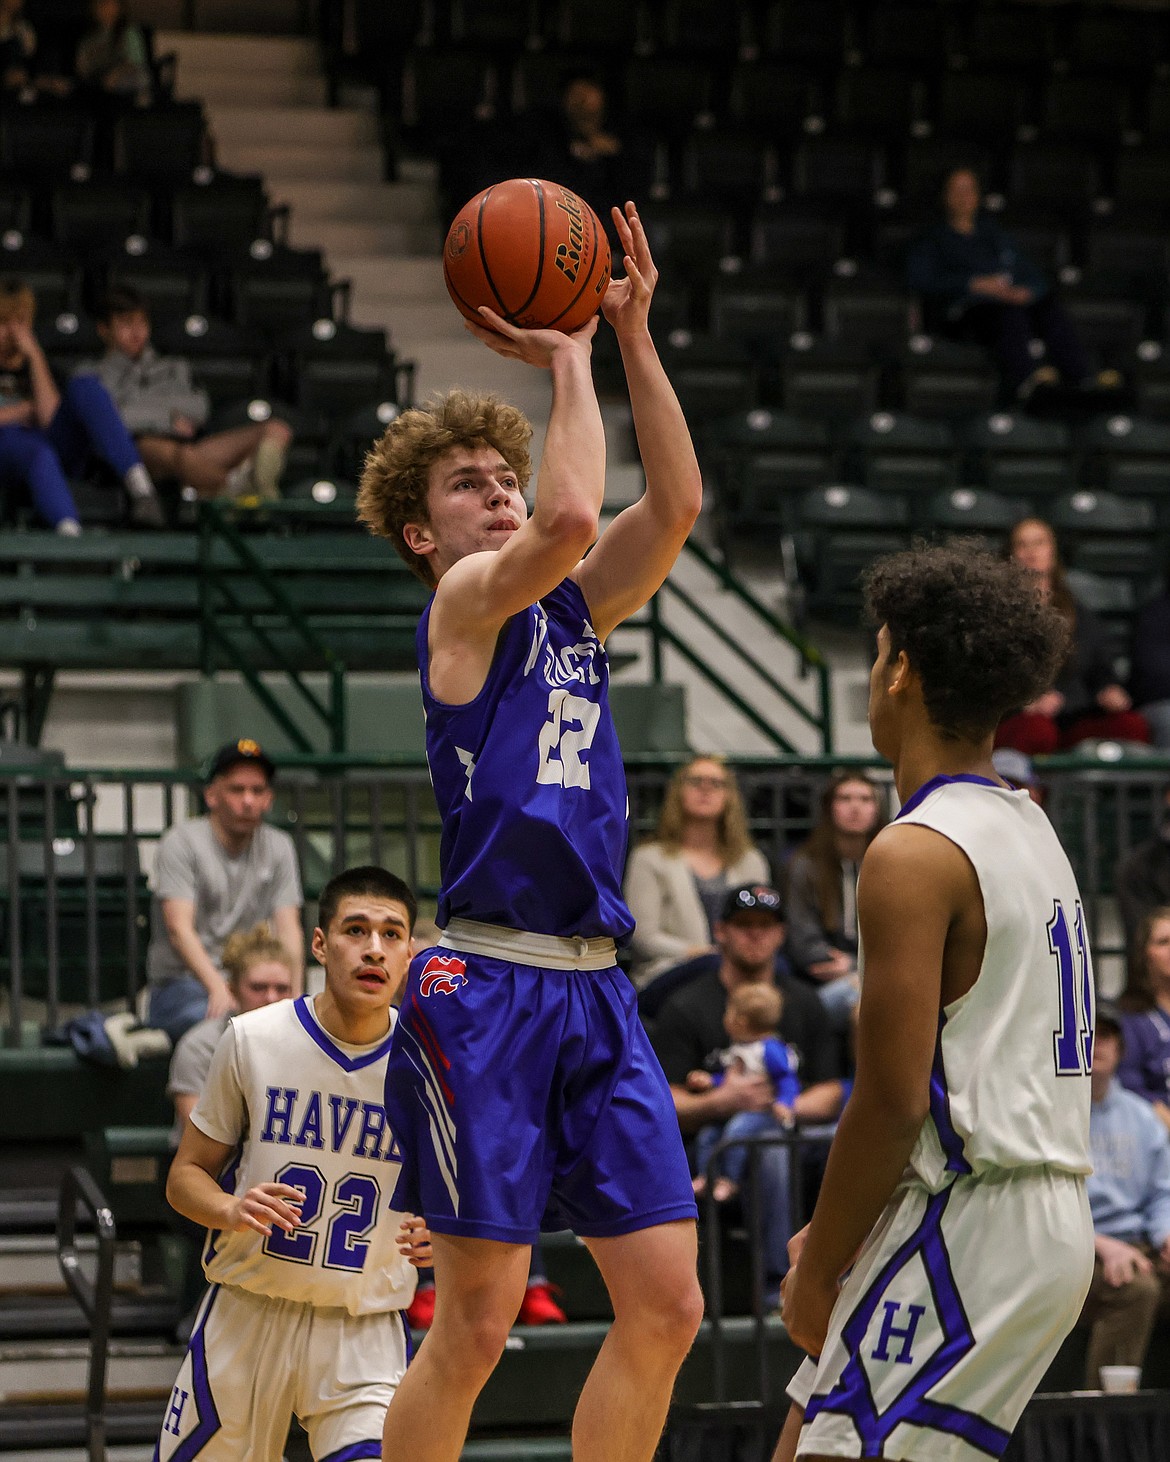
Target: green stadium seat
[49,1093]
[650,719]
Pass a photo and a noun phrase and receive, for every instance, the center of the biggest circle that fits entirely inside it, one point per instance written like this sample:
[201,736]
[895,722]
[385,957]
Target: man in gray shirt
[215,875]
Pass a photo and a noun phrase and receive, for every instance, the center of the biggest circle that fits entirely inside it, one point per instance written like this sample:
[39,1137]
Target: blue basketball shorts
[527,1099]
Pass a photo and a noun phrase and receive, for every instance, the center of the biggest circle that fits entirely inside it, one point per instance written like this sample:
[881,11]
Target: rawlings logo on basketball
[442,974]
[458,239]
[568,256]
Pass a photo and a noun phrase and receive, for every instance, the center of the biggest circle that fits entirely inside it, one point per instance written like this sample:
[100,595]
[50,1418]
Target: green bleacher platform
[49,1094]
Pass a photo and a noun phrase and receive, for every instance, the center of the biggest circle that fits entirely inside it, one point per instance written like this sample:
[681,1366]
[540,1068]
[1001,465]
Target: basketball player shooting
[521,1086]
[959,1163]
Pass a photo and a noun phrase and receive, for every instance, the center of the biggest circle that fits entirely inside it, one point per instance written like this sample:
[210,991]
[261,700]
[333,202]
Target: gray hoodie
[150,391]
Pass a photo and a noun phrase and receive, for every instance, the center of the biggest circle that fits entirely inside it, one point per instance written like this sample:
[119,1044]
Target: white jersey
[1010,1086]
[305,1109]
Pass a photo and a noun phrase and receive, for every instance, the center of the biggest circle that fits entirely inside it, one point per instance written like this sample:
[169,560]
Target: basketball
[532,251]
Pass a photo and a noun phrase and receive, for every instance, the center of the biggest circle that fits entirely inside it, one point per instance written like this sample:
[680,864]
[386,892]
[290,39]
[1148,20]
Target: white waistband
[518,946]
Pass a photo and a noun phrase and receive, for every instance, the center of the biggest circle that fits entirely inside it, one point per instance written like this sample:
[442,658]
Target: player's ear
[899,672]
[318,946]
[418,538]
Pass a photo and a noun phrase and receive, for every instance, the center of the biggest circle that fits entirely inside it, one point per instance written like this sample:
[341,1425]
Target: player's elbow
[573,527]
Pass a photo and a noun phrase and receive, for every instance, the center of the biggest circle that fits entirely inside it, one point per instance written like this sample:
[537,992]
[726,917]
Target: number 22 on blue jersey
[1072,1040]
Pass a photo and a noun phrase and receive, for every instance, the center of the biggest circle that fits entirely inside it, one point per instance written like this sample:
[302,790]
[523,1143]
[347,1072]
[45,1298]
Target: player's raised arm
[906,869]
[482,590]
[637,551]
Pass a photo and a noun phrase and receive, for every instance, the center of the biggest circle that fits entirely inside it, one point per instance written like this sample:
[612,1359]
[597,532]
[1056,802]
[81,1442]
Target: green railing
[810,659]
[218,599]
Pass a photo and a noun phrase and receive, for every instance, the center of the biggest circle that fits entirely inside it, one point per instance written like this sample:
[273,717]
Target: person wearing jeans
[45,434]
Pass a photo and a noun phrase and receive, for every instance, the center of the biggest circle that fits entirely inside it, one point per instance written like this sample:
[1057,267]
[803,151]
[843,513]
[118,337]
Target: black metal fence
[77,848]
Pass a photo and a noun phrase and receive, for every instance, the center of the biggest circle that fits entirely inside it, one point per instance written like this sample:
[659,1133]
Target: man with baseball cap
[212,876]
[688,1031]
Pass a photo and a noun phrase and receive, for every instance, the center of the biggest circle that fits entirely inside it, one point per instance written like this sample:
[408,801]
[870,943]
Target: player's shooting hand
[1120,1262]
[806,1304]
[414,1242]
[264,1207]
[627,301]
[533,347]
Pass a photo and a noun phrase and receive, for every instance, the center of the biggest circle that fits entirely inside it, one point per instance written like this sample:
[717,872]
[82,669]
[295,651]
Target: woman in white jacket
[675,883]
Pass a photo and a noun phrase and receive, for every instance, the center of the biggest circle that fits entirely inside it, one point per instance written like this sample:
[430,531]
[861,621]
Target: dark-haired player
[522,1087]
[955,1189]
[289,1161]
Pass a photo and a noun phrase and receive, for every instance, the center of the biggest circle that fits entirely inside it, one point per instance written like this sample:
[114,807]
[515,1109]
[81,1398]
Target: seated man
[689,1032]
[214,876]
[1129,1194]
[167,414]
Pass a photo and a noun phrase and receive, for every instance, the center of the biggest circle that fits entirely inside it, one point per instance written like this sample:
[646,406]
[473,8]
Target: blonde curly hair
[393,489]
[248,947]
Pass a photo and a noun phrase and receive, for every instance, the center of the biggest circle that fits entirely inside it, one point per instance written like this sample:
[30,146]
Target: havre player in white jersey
[953,1202]
[289,1162]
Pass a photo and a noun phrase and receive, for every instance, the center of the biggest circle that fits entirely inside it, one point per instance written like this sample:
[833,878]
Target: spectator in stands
[260,971]
[688,1032]
[822,891]
[1086,700]
[978,284]
[1143,879]
[1129,1195]
[18,47]
[167,414]
[580,150]
[112,57]
[214,876]
[752,1023]
[1149,665]
[46,434]
[676,883]
[1145,1062]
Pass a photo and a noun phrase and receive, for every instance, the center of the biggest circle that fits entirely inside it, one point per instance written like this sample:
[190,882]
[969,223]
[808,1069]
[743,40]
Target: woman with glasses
[676,882]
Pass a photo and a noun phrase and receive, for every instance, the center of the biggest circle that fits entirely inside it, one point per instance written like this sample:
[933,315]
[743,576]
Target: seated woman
[45,434]
[112,57]
[822,891]
[1086,701]
[977,284]
[675,883]
[1145,1021]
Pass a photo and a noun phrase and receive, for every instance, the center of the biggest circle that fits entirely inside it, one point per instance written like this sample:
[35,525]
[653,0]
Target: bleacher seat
[226,362]
[1141,179]
[884,102]
[1059,176]
[893,452]
[702,27]
[843,529]
[161,144]
[982,106]
[1007,38]
[1091,109]
[974,510]
[757,312]
[220,213]
[796,241]
[492,24]
[868,312]
[665,95]
[1157,129]
[328,365]
[15,207]
[774,99]
[171,282]
[356,433]
[444,91]
[711,377]
[51,272]
[943,378]
[1109,535]
[46,142]
[1148,371]
[277,288]
[1018,456]
[1117,43]
[68,338]
[760,458]
[819,34]
[736,169]
[1129,456]
[927,161]
[908,35]
[603,27]
[827,378]
[688,237]
[91,215]
[847,170]
[1106,323]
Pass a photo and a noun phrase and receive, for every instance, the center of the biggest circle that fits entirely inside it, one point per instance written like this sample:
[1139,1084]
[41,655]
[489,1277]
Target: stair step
[249,54]
[390,237]
[414,324]
[47,1317]
[358,202]
[23,1210]
[291,162]
[415,278]
[42,1372]
[29,1262]
[242,88]
[322,127]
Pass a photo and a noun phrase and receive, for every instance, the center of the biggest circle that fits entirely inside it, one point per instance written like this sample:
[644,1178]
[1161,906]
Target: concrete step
[415,325]
[29,1263]
[248,55]
[377,280]
[343,237]
[298,162]
[359,202]
[58,1369]
[321,127]
[241,88]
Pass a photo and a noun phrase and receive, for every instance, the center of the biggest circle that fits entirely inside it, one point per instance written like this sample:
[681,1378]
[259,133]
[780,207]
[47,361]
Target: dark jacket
[1088,669]
[943,262]
[1150,661]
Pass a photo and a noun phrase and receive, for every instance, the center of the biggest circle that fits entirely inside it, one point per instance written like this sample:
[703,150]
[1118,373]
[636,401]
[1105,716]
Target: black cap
[234,753]
[752,897]
[1108,1017]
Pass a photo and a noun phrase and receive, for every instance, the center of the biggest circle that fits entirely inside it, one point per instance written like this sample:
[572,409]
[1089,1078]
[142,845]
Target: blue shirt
[530,783]
[1145,1056]
[1129,1189]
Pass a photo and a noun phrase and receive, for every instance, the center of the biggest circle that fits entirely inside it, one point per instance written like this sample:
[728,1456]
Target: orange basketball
[533,251]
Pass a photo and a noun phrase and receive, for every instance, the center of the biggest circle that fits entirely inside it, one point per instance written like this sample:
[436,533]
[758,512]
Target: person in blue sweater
[978,284]
[752,1023]
[1129,1195]
[1145,1064]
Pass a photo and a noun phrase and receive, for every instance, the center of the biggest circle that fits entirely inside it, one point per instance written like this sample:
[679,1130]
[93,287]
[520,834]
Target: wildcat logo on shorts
[442,974]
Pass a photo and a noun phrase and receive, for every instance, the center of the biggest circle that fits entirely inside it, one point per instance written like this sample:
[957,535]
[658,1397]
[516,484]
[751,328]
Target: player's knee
[669,1317]
[476,1336]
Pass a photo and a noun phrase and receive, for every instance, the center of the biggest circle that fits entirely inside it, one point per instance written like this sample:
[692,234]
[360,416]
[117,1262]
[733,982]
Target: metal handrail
[795,1139]
[95,1297]
[213,522]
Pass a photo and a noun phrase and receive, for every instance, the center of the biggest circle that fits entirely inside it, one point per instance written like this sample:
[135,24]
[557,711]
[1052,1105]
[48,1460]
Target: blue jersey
[530,783]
